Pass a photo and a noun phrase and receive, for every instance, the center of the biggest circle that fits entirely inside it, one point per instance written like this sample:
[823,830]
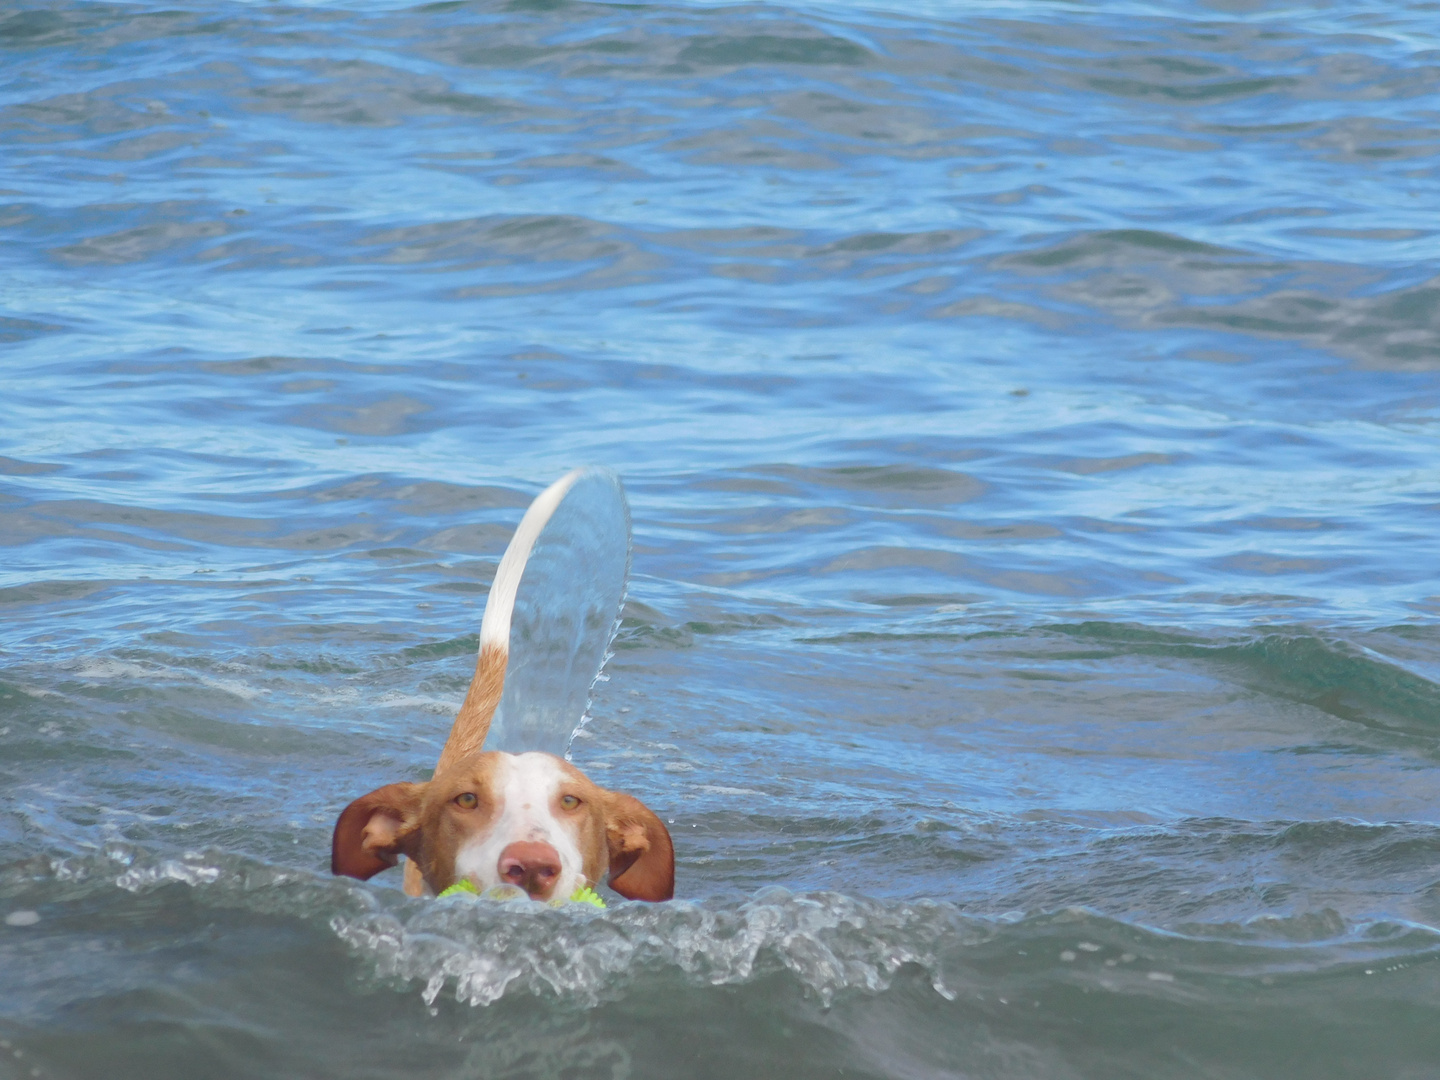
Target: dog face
[531,820]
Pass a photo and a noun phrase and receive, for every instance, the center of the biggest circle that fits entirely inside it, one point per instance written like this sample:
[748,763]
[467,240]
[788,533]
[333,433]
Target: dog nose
[531,864]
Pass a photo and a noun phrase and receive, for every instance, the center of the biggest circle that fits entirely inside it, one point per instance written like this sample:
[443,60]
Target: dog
[488,818]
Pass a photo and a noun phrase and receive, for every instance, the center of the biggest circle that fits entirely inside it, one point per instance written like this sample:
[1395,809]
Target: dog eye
[466,801]
[569,802]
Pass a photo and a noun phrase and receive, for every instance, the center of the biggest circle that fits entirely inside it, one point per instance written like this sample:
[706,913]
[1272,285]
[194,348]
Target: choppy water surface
[1029,413]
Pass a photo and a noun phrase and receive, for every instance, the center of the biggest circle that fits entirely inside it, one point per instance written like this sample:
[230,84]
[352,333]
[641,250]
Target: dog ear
[642,858]
[374,830]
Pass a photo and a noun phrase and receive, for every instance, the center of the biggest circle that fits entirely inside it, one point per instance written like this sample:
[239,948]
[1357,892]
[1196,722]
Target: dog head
[531,820]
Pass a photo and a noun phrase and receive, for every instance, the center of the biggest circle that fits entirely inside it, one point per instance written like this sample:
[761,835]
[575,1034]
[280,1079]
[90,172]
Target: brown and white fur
[531,820]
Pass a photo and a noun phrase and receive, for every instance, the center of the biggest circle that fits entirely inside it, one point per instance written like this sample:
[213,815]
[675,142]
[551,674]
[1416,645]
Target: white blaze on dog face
[532,820]
[538,802]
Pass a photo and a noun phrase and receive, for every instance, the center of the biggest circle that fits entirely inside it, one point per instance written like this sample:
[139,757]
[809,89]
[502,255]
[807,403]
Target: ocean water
[1029,416]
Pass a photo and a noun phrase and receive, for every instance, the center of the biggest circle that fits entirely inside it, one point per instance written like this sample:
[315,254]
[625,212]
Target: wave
[1344,678]
[829,945]
[1350,675]
[828,941]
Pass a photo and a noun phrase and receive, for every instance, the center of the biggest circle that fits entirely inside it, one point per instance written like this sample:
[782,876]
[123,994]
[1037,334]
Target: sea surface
[1030,414]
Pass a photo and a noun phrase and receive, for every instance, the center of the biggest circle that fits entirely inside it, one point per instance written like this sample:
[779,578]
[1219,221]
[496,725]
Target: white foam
[828,941]
[234,688]
[105,668]
[102,669]
[395,699]
[145,878]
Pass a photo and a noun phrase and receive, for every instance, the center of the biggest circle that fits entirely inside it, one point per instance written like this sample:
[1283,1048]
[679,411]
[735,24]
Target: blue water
[1029,417]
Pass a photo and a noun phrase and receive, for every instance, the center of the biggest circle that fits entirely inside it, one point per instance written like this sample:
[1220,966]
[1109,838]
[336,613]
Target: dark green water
[1029,414]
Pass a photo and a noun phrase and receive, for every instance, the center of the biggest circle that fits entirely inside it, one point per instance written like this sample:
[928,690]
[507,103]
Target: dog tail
[472,724]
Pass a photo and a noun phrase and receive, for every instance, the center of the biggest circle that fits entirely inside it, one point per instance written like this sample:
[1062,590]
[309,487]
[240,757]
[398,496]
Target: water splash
[829,942]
